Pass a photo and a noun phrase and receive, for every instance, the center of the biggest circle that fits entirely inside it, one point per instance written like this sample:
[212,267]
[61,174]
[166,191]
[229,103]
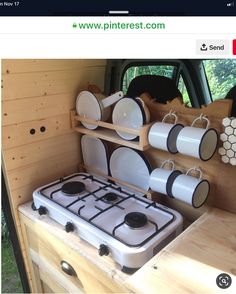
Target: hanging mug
[198,142]
[163,135]
[191,190]
[161,179]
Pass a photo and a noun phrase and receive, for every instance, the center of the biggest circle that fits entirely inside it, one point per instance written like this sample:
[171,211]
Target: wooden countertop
[112,269]
[191,263]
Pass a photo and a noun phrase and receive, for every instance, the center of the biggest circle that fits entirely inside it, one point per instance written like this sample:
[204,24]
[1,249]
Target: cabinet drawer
[50,280]
[47,252]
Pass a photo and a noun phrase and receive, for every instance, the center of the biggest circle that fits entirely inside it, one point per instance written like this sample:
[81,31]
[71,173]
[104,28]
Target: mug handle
[201,117]
[168,162]
[142,102]
[195,169]
[108,101]
[171,113]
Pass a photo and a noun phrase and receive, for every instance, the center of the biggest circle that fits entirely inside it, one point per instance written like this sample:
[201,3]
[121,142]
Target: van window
[139,70]
[221,76]
[183,89]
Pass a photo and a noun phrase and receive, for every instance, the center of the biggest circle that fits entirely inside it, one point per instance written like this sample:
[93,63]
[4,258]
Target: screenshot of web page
[167,62]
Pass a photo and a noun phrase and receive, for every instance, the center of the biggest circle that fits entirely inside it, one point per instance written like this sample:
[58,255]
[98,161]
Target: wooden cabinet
[45,254]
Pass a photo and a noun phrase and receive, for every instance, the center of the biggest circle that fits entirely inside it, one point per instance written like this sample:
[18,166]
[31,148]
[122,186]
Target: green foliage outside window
[183,90]
[221,75]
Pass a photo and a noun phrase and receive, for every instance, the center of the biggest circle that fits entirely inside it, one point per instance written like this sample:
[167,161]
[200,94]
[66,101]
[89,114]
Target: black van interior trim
[13,237]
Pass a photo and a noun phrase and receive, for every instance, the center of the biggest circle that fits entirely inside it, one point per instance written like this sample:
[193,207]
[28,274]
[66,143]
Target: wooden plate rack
[107,131]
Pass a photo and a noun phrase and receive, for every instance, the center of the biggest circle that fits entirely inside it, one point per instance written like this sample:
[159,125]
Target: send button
[212,47]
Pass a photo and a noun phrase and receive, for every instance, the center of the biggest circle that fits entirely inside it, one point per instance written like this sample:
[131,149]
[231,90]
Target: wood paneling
[17,111]
[40,151]
[37,84]
[34,65]
[19,134]
[34,173]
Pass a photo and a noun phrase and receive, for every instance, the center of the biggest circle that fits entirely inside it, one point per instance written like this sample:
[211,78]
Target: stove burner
[73,188]
[110,197]
[136,220]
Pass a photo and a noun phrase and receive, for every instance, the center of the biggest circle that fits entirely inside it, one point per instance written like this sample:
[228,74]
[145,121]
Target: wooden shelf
[107,131]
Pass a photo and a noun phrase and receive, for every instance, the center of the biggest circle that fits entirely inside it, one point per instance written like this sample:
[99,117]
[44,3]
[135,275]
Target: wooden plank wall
[38,94]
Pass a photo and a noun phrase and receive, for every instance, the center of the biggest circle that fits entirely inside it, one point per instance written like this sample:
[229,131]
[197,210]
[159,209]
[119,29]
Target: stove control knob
[69,227]
[42,210]
[103,250]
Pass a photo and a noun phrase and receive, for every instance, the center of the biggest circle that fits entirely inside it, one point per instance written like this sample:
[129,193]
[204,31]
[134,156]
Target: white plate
[128,113]
[130,166]
[94,153]
[88,106]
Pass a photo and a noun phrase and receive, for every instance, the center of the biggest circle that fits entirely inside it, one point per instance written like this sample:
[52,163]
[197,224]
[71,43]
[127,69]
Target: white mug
[198,142]
[163,135]
[193,191]
[161,179]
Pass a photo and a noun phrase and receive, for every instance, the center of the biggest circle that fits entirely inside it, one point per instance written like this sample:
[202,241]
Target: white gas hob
[126,226]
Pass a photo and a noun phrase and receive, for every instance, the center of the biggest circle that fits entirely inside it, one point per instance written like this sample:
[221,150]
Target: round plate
[94,153]
[130,166]
[88,106]
[128,113]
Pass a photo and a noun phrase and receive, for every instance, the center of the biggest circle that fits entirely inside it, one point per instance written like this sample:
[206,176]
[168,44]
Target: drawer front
[48,252]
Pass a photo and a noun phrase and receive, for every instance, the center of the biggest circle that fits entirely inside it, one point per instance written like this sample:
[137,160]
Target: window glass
[182,88]
[134,71]
[221,75]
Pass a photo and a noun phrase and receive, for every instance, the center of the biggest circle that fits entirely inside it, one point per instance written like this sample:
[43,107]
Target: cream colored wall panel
[34,84]
[33,65]
[19,134]
[17,111]
[42,150]
[37,173]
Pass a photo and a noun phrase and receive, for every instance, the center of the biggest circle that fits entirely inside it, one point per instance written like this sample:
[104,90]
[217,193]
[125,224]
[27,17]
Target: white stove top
[118,215]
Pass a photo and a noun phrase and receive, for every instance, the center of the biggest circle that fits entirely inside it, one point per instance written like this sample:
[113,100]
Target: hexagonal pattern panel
[223,137]
[230,153]
[225,159]
[222,151]
[227,145]
[234,147]
[226,121]
[229,130]
[228,150]
[232,161]
[232,139]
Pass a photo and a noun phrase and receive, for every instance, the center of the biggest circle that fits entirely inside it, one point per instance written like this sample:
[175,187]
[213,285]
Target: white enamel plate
[130,166]
[88,106]
[94,153]
[128,113]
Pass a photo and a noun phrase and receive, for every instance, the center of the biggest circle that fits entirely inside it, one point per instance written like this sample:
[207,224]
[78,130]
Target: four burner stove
[119,222]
